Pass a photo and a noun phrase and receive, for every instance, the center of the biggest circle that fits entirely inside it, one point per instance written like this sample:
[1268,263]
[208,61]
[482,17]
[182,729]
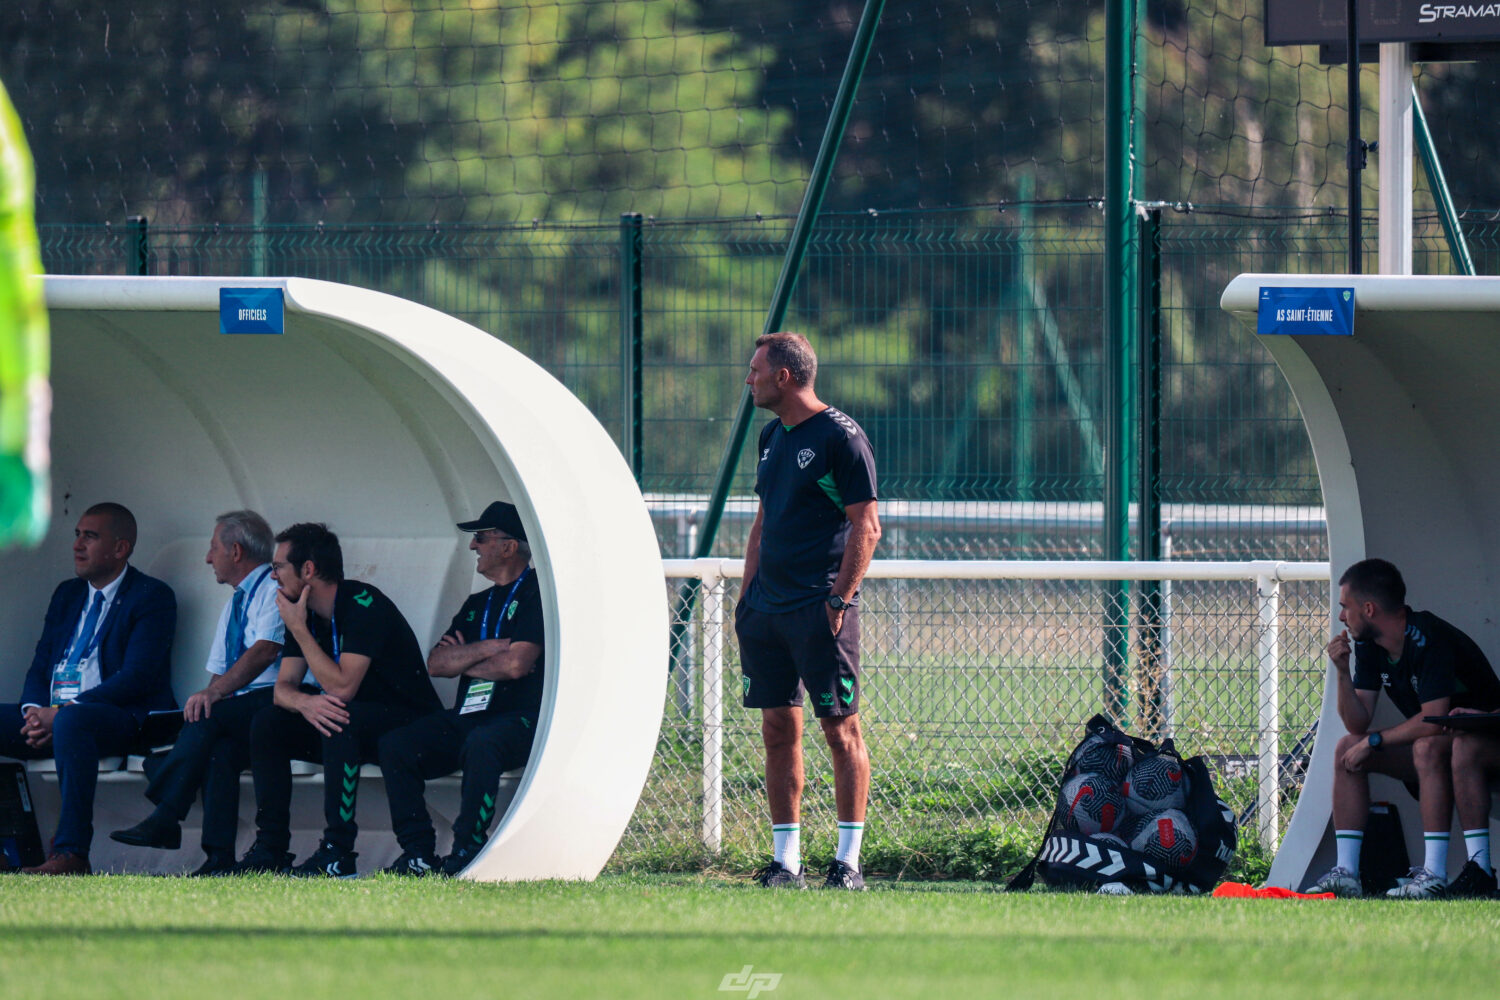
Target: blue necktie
[85,638]
[234,634]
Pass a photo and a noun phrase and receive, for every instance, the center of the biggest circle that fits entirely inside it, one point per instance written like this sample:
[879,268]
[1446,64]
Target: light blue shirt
[262,621]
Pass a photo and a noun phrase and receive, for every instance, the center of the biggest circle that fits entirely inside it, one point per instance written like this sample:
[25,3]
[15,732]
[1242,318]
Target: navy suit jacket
[135,644]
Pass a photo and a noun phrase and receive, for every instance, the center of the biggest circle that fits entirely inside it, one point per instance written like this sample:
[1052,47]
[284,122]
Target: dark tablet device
[1475,722]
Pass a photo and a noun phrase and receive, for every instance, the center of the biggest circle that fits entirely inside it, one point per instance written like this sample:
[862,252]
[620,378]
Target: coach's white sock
[850,834]
[787,838]
[1478,843]
[1348,843]
[1435,856]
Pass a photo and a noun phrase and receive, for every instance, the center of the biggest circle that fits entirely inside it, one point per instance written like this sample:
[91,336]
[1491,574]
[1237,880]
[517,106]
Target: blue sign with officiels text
[251,310]
[1325,311]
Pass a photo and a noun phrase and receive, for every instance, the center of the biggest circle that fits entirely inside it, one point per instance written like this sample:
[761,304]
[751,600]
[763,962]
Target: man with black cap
[494,647]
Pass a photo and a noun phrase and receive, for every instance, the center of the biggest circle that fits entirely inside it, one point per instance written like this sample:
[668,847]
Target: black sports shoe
[262,859]
[217,863]
[329,860]
[155,830]
[841,875]
[777,876]
[414,864]
[459,859]
[1473,882]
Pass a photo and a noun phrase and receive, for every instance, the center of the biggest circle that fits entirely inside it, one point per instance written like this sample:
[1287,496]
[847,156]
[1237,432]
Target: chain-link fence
[974,691]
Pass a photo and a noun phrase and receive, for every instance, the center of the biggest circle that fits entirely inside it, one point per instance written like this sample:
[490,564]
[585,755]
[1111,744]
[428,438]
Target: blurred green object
[25,396]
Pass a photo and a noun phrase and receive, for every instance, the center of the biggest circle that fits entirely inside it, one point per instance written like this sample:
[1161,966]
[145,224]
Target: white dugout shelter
[1402,415]
[390,421]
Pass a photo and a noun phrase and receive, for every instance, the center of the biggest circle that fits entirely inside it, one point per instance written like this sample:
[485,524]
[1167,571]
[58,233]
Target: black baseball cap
[498,516]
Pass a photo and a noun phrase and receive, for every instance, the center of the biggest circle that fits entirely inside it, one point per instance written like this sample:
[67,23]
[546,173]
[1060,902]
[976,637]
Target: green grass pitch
[661,936]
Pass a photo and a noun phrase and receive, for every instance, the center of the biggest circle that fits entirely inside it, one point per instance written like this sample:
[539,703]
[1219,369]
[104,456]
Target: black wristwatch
[1376,740]
[837,603]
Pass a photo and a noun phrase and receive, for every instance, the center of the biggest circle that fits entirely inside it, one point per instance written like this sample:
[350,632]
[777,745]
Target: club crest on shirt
[804,457]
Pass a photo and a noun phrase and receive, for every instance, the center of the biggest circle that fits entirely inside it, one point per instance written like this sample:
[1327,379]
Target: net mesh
[575,110]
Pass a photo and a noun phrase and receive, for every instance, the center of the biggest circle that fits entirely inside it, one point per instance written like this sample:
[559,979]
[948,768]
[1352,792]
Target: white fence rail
[981,673]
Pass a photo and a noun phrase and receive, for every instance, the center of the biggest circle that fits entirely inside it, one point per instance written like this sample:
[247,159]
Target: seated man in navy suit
[103,663]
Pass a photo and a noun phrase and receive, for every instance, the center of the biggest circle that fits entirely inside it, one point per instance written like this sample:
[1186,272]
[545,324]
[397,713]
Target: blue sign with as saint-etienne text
[251,310]
[1327,311]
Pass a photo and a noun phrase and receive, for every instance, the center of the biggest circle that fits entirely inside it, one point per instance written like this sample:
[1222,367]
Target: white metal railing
[1267,577]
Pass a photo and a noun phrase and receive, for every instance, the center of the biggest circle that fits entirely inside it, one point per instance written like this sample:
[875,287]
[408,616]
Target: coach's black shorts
[783,653]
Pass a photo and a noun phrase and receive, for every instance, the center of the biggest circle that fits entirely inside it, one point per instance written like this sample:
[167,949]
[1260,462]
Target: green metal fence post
[1026,340]
[138,252]
[1120,310]
[807,217]
[1153,695]
[258,213]
[632,342]
[1453,227]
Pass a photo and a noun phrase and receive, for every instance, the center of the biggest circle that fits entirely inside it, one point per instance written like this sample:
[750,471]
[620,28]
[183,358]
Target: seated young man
[370,679]
[494,646]
[1425,666]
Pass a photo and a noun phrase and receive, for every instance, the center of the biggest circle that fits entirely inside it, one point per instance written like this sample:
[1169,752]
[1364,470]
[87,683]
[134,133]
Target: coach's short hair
[121,521]
[1377,580]
[313,541]
[248,530]
[792,352]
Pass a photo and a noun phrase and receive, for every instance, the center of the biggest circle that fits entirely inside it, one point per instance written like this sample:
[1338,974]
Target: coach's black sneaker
[414,864]
[217,863]
[1473,882]
[328,860]
[459,859]
[157,830]
[261,859]
[841,875]
[777,876]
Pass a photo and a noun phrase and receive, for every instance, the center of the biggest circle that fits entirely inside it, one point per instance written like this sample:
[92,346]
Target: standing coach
[798,615]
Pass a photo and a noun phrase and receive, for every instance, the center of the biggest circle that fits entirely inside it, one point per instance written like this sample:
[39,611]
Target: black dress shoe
[217,863]
[153,831]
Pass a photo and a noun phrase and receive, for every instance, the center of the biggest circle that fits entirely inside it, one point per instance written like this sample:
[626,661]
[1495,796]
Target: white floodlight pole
[1395,158]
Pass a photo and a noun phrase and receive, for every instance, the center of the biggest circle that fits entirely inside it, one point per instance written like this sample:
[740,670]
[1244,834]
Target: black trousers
[485,745]
[210,754]
[279,736]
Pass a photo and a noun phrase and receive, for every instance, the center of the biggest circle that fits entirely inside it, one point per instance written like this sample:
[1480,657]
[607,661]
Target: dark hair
[1378,581]
[792,352]
[313,541]
[248,530]
[121,521]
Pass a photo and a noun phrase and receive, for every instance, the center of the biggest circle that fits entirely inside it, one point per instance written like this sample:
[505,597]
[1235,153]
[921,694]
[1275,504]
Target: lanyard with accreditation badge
[477,697]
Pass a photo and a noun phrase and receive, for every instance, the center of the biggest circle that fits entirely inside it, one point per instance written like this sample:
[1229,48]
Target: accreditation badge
[477,698]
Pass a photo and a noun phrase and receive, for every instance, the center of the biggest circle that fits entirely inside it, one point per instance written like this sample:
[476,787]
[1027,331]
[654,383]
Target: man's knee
[1431,754]
[73,724]
[843,734]
[781,728]
[500,746]
[1468,753]
[1345,744]
[396,751]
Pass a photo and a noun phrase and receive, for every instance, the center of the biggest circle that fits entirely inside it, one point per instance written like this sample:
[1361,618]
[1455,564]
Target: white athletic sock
[1435,858]
[787,838]
[850,834]
[1348,843]
[1478,843]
